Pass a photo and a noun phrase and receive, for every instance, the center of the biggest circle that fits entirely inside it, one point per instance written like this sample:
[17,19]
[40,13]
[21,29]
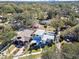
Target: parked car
[18,43]
[71,37]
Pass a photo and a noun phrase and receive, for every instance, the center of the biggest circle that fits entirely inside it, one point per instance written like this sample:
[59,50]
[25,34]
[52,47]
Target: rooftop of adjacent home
[39,32]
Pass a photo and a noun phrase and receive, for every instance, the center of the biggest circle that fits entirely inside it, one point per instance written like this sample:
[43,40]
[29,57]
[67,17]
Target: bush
[57,23]
[7,34]
[70,51]
[8,9]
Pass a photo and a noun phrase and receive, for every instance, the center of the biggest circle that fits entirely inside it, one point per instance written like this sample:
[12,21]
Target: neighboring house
[17,25]
[2,19]
[45,22]
[35,25]
[71,37]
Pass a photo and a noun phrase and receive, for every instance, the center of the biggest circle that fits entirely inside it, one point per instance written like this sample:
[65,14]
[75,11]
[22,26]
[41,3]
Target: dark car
[18,43]
[49,43]
[34,47]
[71,37]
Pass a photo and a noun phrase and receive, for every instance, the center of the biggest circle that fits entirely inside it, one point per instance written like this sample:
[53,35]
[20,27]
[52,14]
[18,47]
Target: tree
[70,51]
[8,9]
[57,23]
[42,15]
[70,30]
[7,34]
[50,14]
[50,53]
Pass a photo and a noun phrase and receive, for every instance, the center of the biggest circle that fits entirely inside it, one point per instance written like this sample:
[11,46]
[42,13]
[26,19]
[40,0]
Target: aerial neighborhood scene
[39,29]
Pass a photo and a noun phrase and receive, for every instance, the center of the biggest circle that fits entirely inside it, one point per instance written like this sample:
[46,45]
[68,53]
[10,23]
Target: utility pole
[57,43]
[45,26]
[57,35]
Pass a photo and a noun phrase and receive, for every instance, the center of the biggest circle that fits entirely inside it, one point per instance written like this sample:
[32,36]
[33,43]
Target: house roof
[39,32]
[37,39]
[45,22]
[45,37]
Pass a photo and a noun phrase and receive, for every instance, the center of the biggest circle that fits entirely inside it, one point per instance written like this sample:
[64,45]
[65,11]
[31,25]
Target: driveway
[25,34]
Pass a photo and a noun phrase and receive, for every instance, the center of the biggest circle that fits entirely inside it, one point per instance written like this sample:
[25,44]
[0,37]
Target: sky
[39,0]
